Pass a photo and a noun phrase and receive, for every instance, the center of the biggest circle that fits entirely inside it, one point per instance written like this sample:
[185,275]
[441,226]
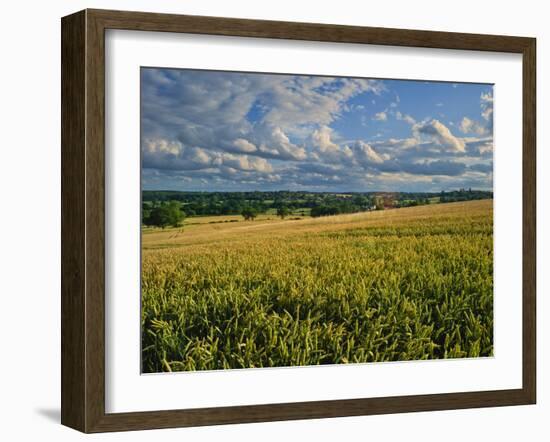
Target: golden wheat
[402,284]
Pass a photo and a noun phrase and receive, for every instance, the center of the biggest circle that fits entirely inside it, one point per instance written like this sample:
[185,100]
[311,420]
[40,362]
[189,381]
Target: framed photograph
[267,221]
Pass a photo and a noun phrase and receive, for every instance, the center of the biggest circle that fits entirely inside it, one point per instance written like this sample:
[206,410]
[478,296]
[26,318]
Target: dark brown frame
[83,215]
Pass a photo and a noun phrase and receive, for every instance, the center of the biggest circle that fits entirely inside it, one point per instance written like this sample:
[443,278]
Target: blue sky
[231,131]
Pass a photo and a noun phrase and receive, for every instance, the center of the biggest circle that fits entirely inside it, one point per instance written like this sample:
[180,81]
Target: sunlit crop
[403,284]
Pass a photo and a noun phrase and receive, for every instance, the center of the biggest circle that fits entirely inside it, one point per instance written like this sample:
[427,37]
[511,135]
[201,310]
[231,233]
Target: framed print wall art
[266,221]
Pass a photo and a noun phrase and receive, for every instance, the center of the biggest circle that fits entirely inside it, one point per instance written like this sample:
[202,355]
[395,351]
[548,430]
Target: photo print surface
[295,220]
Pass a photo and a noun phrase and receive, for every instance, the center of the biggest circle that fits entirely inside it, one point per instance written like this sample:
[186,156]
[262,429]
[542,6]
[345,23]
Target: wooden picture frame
[83,220]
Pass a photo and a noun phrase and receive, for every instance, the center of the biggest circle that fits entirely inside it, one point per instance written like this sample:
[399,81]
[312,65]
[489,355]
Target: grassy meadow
[391,285]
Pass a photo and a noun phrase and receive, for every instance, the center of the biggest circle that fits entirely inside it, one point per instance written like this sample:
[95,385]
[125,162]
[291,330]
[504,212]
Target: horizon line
[314,191]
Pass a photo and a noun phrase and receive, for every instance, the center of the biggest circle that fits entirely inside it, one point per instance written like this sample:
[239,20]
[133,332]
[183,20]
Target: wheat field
[403,284]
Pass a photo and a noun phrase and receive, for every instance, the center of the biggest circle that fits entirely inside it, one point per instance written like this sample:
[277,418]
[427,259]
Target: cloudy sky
[210,130]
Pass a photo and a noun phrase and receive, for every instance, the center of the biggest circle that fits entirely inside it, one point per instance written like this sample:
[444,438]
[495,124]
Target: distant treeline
[464,195]
[160,207]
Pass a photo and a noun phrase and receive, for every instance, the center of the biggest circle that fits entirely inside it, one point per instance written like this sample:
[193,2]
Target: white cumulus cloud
[469,126]
[440,134]
[366,155]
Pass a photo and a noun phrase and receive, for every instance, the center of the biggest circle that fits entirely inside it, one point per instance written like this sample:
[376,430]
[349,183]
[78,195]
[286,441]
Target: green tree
[249,213]
[158,217]
[165,214]
[175,214]
[283,211]
[145,212]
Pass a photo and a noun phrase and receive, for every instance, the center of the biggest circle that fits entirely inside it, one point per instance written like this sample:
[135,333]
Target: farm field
[391,285]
